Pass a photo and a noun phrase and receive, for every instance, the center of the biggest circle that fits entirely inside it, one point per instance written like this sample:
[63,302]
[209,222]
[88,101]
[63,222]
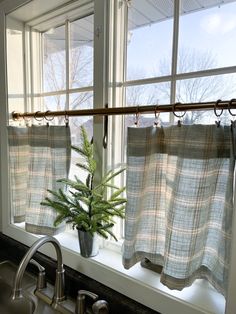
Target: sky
[210,29]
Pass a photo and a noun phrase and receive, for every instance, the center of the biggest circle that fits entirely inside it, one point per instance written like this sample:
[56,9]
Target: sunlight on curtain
[38,157]
[180,202]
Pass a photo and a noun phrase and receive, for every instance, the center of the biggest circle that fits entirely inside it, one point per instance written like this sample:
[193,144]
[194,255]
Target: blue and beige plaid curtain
[180,202]
[38,156]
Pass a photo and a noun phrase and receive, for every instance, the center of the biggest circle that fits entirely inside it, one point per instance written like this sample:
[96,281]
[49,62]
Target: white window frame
[137,283]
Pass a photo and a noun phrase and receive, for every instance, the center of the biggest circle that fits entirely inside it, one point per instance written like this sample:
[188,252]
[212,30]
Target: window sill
[137,283]
[144,285]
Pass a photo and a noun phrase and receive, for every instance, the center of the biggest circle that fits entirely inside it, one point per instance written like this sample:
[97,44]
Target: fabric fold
[180,202]
[38,156]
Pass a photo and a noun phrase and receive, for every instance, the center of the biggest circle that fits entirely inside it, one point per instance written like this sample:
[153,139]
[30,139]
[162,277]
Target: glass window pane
[15,68]
[81,54]
[203,89]
[206,37]
[55,103]
[149,94]
[54,60]
[149,38]
[81,101]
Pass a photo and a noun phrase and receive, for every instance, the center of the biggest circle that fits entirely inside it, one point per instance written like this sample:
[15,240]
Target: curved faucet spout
[59,286]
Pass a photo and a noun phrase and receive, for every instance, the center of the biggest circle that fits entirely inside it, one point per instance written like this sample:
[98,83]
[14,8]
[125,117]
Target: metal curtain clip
[177,116]
[137,117]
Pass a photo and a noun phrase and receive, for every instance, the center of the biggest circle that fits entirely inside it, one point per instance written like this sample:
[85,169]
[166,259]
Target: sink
[29,303]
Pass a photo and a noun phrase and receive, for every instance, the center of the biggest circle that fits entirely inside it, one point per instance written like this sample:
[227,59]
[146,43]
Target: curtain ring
[156,121]
[47,118]
[15,116]
[229,106]
[137,116]
[173,110]
[176,115]
[216,114]
[215,108]
[66,119]
[25,118]
[35,116]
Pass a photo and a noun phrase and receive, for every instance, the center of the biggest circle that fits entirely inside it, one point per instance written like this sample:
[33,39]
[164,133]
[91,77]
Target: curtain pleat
[38,156]
[180,202]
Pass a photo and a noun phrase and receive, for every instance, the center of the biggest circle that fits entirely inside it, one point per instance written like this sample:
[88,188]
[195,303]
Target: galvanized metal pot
[89,245]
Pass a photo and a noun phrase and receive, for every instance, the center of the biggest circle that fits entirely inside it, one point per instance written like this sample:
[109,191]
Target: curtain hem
[174,283]
[44,230]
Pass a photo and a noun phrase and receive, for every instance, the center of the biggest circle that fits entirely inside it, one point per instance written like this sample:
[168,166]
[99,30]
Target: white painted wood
[231,300]
[100,79]
[36,8]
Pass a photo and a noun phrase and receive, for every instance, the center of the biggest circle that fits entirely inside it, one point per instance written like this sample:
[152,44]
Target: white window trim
[136,283]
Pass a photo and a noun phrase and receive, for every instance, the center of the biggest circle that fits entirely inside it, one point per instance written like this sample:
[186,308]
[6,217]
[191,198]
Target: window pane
[15,77]
[206,37]
[55,103]
[206,88]
[150,94]
[54,60]
[81,101]
[81,54]
[202,89]
[149,39]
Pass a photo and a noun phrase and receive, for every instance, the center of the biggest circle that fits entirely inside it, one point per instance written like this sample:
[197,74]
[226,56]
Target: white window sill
[136,283]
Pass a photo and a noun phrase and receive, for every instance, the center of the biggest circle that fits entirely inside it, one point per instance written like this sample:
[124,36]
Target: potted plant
[85,205]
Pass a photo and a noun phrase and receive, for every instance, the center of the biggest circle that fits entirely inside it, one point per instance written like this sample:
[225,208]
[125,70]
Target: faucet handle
[100,307]
[41,281]
[80,306]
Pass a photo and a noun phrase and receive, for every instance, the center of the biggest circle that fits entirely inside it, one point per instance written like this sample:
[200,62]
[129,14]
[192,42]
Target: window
[68,73]
[174,55]
[192,62]
[141,53]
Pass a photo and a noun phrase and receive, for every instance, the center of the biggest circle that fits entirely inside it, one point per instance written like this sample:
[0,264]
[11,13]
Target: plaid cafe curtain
[180,202]
[38,157]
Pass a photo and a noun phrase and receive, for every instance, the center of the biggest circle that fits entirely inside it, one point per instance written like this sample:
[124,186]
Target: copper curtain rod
[216,105]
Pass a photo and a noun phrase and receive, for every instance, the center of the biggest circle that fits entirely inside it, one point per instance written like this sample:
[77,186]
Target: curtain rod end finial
[15,115]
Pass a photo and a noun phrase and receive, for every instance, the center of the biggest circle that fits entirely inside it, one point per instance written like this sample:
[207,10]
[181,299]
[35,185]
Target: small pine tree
[84,205]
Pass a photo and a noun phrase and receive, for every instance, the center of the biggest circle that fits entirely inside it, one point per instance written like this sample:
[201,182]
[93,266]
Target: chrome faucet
[53,297]
[59,284]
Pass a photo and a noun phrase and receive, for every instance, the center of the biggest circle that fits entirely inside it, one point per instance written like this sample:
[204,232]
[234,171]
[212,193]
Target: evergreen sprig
[85,205]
